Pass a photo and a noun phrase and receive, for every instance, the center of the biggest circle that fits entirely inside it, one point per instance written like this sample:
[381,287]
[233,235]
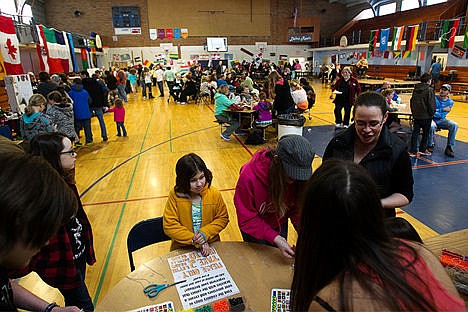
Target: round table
[256,270]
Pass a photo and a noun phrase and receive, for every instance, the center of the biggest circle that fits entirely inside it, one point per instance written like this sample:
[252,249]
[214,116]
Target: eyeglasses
[71,152]
[373,124]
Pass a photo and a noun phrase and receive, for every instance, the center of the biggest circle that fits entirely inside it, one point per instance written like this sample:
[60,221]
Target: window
[387,9]
[409,4]
[431,2]
[8,6]
[365,14]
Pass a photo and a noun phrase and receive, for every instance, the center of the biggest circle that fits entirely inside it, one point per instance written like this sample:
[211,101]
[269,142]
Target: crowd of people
[348,254]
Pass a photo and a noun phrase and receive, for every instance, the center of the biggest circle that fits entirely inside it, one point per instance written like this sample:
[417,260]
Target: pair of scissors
[152,290]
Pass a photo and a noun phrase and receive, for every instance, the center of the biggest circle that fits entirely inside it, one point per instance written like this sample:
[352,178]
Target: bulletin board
[212,17]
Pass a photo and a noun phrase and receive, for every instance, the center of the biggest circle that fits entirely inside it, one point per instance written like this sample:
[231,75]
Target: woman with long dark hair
[345,260]
[62,263]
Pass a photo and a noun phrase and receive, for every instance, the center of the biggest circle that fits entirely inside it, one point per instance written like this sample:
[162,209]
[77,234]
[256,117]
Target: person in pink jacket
[268,191]
[119,116]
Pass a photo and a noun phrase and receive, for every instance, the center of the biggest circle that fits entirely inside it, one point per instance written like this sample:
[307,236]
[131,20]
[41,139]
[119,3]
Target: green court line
[122,210]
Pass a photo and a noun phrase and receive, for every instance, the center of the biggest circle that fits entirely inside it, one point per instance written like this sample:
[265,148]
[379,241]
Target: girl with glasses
[62,263]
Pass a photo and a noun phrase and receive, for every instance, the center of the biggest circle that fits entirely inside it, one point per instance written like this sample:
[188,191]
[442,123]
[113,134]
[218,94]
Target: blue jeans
[102,124]
[122,93]
[233,124]
[86,124]
[120,125]
[79,296]
[418,124]
[161,88]
[446,124]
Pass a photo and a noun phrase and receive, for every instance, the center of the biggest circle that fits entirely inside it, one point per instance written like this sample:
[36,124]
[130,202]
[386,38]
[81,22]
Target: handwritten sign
[207,279]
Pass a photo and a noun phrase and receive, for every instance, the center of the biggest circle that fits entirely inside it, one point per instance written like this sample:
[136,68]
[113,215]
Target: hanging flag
[184,33]
[42,50]
[295,15]
[384,34]
[10,47]
[169,33]
[63,51]
[51,54]
[411,36]
[465,39]
[161,33]
[374,34]
[2,68]
[449,31]
[84,58]
[386,54]
[177,33]
[458,52]
[397,37]
[396,54]
[72,52]
[406,54]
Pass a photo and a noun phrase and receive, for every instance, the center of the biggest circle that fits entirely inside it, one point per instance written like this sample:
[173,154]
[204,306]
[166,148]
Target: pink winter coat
[119,113]
[256,215]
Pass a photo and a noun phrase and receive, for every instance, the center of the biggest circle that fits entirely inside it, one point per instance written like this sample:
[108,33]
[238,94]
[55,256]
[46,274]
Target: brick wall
[96,16]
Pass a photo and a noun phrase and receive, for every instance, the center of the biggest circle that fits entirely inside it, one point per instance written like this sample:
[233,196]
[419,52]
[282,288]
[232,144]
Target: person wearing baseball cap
[268,192]
[444,105]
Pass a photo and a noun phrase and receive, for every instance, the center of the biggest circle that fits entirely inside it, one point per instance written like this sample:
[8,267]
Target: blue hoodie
[81,101]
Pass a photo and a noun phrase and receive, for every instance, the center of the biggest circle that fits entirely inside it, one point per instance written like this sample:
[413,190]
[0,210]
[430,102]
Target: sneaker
[105,139]
[425,153]
[240,132]
[144,98]
[225,138]
[338,125]
[118,134]
[78,144]
[345,126]
[430,148]
[412,154]
[449,151]
[183,103]
[89,143]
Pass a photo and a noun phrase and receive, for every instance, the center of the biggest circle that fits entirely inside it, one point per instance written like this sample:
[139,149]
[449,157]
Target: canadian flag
[10,47]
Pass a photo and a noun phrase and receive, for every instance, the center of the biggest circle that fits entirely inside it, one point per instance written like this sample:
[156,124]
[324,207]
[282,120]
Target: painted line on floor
[119,221]
[445,163]
[136,155]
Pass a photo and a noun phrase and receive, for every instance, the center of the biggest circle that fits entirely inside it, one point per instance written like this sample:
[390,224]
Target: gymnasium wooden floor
[125,180]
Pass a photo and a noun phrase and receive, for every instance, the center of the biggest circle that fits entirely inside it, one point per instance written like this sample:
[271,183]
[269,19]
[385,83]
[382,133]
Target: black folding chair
[145,233]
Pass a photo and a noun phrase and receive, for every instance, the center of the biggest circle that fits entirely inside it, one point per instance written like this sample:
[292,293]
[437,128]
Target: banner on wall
[153,34]
[176,33]
[449,31]
[411,36]
[184,33]
[397,37]
[384,34]
[373,38]
[10,47]
[169,33]
[161,33]
[458,52]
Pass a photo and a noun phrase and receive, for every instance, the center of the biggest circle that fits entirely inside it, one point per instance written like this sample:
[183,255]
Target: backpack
[255,137]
